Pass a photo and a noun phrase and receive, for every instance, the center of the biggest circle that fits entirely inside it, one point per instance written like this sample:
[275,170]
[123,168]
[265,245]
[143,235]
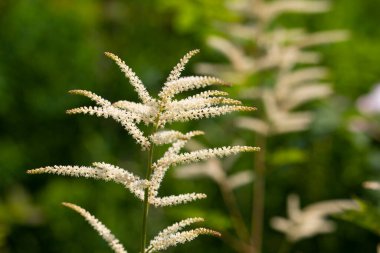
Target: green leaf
[367,216]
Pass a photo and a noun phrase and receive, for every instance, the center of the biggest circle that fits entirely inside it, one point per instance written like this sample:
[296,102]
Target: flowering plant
[157,112]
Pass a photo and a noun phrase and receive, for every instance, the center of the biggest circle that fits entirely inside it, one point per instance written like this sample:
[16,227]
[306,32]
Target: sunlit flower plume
[157,112]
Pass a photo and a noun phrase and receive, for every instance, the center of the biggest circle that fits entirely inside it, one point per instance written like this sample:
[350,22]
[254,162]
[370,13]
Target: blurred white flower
[311,220]
[370,103]
[371,185]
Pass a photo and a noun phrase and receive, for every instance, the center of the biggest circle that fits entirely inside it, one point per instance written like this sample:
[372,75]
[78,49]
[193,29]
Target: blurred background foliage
[50,47]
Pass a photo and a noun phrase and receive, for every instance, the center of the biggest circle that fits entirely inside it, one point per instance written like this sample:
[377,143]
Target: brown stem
[258,195]
[236,244]
[232,206]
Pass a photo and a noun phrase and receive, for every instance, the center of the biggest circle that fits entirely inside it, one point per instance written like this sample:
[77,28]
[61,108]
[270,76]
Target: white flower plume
[175,199]
[180,238]
[177,70]
[97,99]
[171,235]
[297,79]
[203,154]
[102,171]
[312,219]
[207,112]
[162,111]
[371,185]
[156,112]
[182,84]
[166,137]
[172,158]
[178,226]
[146,113]
[102,230]
[135,81]
[127,119]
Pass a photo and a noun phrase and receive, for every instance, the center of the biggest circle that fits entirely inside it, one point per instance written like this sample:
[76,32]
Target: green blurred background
[50,47]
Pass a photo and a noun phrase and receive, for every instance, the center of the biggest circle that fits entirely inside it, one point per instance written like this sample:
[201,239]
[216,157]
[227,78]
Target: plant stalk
[146,203]
[258,195]
[232,206]
[146,192]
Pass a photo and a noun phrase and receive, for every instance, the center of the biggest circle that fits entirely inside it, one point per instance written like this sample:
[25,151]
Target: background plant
[276,66]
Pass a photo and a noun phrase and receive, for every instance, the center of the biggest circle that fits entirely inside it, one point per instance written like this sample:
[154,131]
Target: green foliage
[50,47]
[196,17]
[367,216]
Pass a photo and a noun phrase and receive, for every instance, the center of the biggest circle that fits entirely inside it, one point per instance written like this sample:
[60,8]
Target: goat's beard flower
[157,112]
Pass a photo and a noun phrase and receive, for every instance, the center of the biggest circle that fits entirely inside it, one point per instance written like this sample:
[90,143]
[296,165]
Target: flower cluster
[287,67]
[171,236]
[164,109]
[157,112]
[298,79]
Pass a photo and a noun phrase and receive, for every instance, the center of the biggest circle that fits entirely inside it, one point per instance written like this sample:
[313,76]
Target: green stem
[236,217]
[258,196]
[146,203]
[146,192]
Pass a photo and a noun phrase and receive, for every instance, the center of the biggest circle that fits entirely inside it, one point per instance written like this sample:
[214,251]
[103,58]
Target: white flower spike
[102,230]
[156,112]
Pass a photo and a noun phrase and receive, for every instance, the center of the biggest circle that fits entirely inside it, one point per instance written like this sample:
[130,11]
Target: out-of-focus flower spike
[306,94]
[234,54]
[312,219]
[256,125]
[372,185]
[276,8]
[324,37]
[102,230]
